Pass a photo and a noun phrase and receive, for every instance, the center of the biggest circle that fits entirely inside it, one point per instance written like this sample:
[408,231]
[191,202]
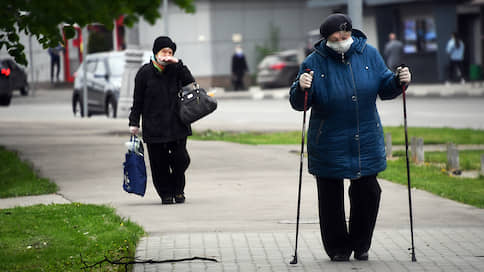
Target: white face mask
[341,46]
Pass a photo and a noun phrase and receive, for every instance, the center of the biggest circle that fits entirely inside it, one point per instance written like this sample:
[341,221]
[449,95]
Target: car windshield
[116,66]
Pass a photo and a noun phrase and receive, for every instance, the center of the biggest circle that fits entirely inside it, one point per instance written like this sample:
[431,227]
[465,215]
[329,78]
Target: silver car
[104,74]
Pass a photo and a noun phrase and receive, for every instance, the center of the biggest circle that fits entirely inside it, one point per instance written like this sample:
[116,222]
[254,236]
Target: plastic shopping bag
[134,168]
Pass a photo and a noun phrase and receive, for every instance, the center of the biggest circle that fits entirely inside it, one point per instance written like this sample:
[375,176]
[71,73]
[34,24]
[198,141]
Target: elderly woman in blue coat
[343,77]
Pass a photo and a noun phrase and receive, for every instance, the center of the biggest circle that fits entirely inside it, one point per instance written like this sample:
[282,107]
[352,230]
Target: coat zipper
[320,131]
[357,118]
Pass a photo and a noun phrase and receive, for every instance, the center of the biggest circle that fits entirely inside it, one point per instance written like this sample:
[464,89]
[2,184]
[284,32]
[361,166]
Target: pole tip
[294,260]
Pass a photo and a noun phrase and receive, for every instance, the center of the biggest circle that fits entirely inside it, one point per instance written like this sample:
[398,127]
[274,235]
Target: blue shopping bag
[135,168]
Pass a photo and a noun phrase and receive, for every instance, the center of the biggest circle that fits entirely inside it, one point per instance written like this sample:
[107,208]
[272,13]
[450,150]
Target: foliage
[53,237]
[271,46]
[43,19]
[18,179]
[99,41]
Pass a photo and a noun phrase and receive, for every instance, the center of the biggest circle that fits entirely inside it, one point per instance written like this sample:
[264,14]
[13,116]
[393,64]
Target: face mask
[340,47]
[162,63]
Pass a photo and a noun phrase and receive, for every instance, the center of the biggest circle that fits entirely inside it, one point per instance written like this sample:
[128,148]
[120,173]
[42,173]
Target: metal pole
[301,159]
[84,71]
[32,79]
[355,11]
[408,173]
[165,17]
[115,36]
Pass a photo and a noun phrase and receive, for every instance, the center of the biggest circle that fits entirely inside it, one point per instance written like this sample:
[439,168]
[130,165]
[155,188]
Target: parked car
[280,69]
[104,74]
[12,77]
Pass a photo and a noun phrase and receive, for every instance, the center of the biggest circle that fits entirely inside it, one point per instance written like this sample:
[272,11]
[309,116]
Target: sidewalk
[241,206]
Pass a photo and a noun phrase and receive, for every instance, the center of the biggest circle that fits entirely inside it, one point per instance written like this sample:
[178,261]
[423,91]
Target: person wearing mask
[156,100]
[343,77]
[239,68]
[455,51]
[393,51]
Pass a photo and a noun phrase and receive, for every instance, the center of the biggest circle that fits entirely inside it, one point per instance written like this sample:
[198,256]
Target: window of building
[419,35]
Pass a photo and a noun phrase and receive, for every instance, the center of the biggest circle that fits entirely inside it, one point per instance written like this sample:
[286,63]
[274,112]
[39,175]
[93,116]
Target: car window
[100,68]
[116,66]
[291,58]
[91,66]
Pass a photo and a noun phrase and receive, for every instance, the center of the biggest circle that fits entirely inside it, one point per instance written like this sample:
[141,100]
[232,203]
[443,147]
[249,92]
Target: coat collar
[359,44]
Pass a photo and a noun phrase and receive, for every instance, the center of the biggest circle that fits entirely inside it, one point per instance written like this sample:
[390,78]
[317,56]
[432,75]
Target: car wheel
[77,107]
[25,90]
[111,108]
[5,100]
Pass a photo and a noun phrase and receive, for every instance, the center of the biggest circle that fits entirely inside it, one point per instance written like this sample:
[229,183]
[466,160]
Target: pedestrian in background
[239,68]
[156,100]
[455,51]
[54,53]
[343,78]
[393,52]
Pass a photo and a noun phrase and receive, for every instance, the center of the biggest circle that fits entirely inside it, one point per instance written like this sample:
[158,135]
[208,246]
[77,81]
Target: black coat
[239,65]
[156,100]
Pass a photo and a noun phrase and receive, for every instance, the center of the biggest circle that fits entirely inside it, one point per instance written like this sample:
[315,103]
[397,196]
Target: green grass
[254,138]
[51,238]
[468,159]
[433,179]
[436,135]
[430,135]
[18,179]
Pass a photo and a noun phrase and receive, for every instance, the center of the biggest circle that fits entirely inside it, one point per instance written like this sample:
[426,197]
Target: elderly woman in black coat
[157,85]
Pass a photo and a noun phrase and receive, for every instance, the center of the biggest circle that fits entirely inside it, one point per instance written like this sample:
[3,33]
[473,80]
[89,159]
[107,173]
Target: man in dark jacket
[239,68]
[156,99]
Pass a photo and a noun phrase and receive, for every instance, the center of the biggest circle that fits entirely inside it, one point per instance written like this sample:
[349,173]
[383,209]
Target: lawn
[18,179]
[53,237]
[430,135]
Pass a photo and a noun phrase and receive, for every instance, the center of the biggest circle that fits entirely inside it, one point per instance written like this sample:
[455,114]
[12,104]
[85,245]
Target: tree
[43,19]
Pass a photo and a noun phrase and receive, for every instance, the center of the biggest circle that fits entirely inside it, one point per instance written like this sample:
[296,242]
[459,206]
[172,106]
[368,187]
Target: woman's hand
[404,76]
[305,80]
[169,59]
[134,130]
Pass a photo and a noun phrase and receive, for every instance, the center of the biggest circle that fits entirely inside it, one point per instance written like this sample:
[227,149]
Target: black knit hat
[334,23]
[162,42]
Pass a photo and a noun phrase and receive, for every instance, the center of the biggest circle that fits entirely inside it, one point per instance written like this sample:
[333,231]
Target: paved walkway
[241,205]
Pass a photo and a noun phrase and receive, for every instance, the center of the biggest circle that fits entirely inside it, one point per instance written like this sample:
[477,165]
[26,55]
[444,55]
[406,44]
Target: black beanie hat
[162,42]
[334,23]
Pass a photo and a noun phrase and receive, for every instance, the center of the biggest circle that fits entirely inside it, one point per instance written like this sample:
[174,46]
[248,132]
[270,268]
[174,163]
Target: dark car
[103,81]
[12,77]
[280,69]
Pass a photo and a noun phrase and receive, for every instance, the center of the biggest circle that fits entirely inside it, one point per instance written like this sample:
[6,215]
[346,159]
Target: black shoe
[180,198]
[361,256]
[340,258]
[166,200]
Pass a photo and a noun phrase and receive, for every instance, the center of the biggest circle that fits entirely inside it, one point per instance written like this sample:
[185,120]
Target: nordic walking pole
[404,88]
[301,158]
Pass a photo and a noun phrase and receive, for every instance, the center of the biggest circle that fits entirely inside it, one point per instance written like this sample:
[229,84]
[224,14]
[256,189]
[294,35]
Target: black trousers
[168,162]
[364,194]
[54,63]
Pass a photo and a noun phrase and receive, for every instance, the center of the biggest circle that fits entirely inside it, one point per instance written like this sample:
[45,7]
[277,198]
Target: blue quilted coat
[345,136]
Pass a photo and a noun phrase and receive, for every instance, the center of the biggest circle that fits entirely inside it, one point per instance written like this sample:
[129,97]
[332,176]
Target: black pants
[54,63]
[455,70]
[168,162]
[364,196]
